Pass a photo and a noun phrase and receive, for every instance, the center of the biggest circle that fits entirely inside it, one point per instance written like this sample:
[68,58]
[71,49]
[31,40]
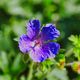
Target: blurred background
[14,14]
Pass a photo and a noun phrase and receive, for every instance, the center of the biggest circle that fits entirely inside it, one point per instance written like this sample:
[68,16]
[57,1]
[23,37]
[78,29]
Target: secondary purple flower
[37,43]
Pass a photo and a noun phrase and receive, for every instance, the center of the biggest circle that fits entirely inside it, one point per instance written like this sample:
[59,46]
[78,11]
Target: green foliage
[57,74]
[5,77]
[76,45]
[4,64]
[45,66]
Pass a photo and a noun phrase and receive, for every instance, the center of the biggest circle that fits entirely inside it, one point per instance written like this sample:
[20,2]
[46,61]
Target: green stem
[30,71]
[70,64]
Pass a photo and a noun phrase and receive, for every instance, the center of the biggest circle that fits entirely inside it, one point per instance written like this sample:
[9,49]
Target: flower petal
[41,53]
[51,48]
[49,32]
[33,28]
[37,54]
[24,43]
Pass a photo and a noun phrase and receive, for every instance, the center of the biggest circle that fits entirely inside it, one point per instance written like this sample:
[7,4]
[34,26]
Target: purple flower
[38,42]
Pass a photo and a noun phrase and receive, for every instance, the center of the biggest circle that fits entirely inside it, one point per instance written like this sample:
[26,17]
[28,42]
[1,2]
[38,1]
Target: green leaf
[22,78]
[17,64]
[5,77]
[4,62]
[57,74]
[76,45]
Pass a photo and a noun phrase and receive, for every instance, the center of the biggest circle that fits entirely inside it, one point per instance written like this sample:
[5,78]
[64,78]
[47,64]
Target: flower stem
[30,71]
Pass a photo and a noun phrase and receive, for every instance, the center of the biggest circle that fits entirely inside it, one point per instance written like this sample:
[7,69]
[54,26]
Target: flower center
[36,43]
